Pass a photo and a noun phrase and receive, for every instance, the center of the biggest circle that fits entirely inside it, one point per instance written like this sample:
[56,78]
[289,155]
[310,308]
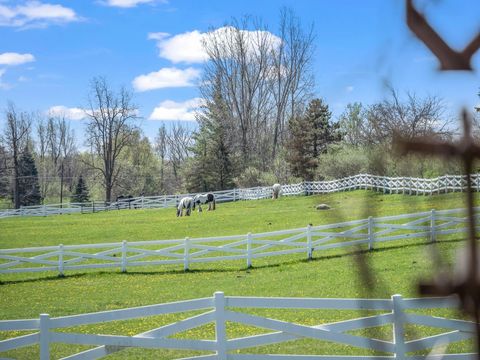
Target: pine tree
[309,136]
[29,187]
[301,161]
[81,191]
[211,167]
[218,156]
[323,131]
[4,174]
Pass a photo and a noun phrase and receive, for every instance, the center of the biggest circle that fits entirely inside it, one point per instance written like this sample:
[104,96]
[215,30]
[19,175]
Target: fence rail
[221,309]
[123,255]
[390,185]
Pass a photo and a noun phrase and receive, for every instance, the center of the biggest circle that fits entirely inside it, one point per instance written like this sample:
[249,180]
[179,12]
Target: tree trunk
[61,186]
[16,185]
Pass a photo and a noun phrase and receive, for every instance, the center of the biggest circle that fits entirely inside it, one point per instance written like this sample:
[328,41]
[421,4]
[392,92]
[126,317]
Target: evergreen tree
[323,131]
[4,173]
[309,136]
[211,167]
[28,184]
[197,176]
[81,191]
[219,163]
[299,157]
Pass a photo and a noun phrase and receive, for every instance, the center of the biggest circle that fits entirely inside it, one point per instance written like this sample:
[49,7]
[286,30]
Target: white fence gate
[248,247]
[390,185]
[221,309]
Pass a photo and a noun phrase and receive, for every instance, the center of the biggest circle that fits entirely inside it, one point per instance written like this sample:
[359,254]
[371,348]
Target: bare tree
[411,118]
[178,143]
[16,136]
[264,79]
[292,79]
[44,165]
[110,128]
[161,149]
[240,61]
[61,142]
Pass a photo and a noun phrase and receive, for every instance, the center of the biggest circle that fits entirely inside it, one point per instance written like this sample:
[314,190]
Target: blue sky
[50,50]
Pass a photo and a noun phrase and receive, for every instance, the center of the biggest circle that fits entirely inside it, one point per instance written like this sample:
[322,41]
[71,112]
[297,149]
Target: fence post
[44,337]
[432,226]
[249,250]
[124,256]
[398,330]
[220,328]
[371,232]
[309,242]
[186,260]
[44,210]
[142,201]
[234,195]
[60,261]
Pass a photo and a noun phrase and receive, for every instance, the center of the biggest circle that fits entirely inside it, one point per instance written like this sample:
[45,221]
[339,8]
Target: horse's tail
[213,202]
[179,207]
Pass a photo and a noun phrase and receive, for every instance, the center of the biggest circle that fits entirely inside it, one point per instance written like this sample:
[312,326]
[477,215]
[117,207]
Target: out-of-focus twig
[449,58]
[466,283]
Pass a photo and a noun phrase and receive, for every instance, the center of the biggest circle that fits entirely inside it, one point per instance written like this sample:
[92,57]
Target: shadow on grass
[385,248]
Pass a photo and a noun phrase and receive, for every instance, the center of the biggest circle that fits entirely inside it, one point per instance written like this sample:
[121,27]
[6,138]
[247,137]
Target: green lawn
[397,267]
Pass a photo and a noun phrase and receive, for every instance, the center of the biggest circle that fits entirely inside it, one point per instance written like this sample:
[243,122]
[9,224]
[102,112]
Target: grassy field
[397,266]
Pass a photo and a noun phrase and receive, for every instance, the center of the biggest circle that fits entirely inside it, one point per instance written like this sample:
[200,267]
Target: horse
[124,201]
[185,203]
[276,190]
[204,199]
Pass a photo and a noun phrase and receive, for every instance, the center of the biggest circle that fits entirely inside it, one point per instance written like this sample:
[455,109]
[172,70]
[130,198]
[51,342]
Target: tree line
[259,123]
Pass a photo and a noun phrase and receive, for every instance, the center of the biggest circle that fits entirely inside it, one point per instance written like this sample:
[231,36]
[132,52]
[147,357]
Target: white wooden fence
[247,247]
[390,185]
[219,309]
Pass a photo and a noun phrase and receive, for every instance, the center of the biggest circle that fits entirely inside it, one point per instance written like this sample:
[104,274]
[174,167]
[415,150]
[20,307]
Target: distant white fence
[247,247]
[390,185]
[219,309]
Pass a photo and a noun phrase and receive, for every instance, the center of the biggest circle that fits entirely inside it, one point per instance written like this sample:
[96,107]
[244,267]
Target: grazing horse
[124,201]
[276,190]
[185,203]
[204,199]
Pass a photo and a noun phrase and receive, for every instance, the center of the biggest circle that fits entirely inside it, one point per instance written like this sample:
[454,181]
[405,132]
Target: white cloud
[158,35]
[172,110]
[128,3]
[36,14]
[69,113]
[187,47]
[166,77]
[15,58]
[349,89]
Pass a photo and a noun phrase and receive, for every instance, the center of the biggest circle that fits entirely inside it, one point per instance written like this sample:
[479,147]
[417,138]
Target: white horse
[204,199]
[276,191]
[185,203]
